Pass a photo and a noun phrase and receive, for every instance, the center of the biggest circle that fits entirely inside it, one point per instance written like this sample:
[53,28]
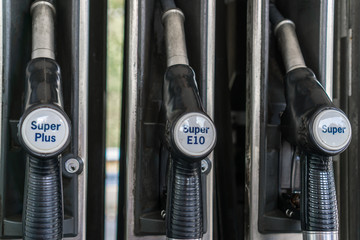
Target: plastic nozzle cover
[44,128]
[194,134]
[310,120]
[331,129]
[190,134]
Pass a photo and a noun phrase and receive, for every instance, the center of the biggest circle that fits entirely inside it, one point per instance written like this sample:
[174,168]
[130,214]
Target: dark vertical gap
[96,120]
[121,222]
[229,221]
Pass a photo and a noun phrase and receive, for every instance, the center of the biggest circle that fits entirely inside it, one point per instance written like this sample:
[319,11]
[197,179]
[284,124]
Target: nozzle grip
[43,83]
[180,92]
[307,100]
[44,128]
[189,133]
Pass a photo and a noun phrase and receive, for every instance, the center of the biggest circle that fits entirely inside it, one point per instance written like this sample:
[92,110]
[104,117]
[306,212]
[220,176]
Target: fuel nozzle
[44,128]
[311,120]
[44,131]
[317,127]
[190,134]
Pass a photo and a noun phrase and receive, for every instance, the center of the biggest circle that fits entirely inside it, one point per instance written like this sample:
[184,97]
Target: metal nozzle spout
[43,13]
[289,45]
[173,21]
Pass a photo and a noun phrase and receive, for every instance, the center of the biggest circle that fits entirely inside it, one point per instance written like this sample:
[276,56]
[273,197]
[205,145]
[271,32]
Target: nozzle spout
[43,13]
[284,31]
[289,45]
[173,21]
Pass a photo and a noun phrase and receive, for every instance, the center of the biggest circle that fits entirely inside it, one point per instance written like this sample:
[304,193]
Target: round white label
[45,130]
[332,130]
[195,134]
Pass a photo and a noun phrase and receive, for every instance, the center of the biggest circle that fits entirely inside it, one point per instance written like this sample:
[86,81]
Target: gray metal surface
[326,45]
[43,14]
[347,62]
[174,32]
[256,62]
[83,115]
[131,120]
[320,236]
[210,104]
[289,45]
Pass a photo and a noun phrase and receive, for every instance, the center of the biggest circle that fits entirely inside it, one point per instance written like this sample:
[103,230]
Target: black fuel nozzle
[320,130]
[190,135]
[44,131]
[311,121]
[44,128]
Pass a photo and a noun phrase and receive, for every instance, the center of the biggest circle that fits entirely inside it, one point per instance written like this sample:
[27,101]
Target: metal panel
[256,73]
[82,139]
[209,32]
[131,117]
[348,85]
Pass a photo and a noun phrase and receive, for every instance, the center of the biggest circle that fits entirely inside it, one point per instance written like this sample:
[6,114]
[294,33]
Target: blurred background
[115,42]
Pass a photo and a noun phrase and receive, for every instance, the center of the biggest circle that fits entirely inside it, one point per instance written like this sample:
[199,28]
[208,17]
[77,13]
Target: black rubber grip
[319,205]
[184,207]
[305,98]
[275,15]
[42,217]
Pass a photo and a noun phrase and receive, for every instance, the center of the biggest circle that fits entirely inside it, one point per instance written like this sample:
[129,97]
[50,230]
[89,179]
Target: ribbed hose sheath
[319,205]
[184,208]
[42,217]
